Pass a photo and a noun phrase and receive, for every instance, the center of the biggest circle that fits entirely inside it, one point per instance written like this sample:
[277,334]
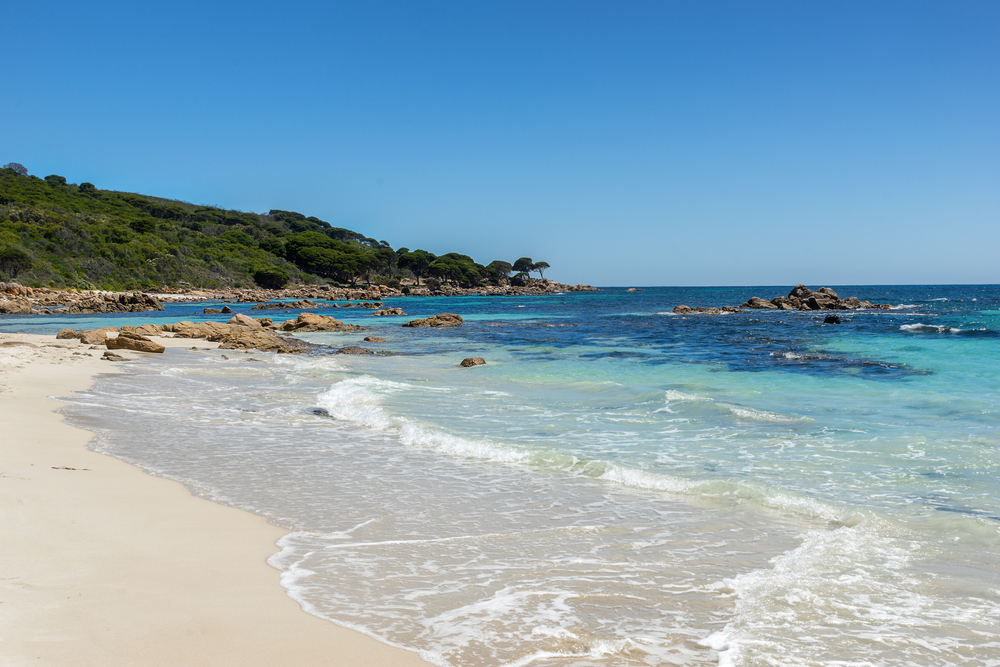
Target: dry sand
[103,564]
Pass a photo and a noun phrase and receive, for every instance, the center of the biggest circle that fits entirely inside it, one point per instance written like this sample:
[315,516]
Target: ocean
[618,485]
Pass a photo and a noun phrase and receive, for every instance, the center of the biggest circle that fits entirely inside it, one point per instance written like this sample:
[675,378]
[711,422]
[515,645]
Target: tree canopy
[53,232]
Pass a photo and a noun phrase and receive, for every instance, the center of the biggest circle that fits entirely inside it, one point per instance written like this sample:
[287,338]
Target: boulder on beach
[245,321]
[131,340]
[314,322]
[441,320]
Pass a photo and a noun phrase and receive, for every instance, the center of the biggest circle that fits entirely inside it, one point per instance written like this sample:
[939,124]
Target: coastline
[104,564]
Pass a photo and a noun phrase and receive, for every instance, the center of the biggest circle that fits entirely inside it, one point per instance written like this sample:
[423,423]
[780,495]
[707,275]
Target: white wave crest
[761,415]
[851,584]
[358,400]
[919,327]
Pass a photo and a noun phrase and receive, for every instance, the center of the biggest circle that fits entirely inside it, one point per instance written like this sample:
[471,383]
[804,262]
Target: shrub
[13,260]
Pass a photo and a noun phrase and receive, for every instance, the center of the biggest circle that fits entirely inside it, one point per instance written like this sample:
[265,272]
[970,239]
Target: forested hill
[65,235]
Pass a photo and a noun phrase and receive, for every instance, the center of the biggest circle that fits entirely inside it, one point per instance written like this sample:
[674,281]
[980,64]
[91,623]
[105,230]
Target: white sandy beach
[103,564]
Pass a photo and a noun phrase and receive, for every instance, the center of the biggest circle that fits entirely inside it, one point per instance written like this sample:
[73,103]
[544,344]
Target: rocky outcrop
[314,322]
[245,321]
[803,298]
[301,304]
[26,301]
[111,356]
[16,306]
[469,362]
[266,341]
[757,302]
[388,311]
[374,339]
[442,320]
[129,339]
[370,297]
[89,337]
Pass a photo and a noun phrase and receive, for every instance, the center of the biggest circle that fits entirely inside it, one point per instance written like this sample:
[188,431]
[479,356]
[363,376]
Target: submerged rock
[469,362]
[354,349]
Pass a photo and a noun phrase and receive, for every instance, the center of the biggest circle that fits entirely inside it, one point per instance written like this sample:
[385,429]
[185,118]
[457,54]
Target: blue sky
[631,143]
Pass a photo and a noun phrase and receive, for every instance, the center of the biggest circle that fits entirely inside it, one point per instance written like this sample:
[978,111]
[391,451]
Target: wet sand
[103,564]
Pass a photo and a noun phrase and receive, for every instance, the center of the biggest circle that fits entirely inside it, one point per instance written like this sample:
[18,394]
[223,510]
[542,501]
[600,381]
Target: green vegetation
[64,235]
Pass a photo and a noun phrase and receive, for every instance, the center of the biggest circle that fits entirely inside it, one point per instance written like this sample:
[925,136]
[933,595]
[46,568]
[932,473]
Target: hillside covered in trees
[61,234]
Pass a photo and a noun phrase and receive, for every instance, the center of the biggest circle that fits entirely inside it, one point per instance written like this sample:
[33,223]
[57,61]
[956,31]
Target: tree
[417,262]
[499,270]
[86,188]
[540,267]
[271,277]
[14,260]
[524,265]
[55,180]
[19,168]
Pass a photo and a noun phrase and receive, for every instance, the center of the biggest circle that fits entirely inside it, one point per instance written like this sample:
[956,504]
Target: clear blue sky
[625,143]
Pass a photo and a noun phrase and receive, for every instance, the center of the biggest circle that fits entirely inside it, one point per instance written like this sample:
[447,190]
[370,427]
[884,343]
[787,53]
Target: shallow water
[618,485]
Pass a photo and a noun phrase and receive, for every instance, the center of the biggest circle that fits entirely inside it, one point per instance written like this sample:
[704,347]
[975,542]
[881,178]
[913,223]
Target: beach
[104,564]
[619,484]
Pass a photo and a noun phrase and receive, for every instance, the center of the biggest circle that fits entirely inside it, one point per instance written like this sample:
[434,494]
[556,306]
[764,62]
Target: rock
[757,302]
[354,349]
[388,311]
[66,334]
[831,319]
[468,362]
[111,356]
[683,310]
[226,310]
[212,311]
[16,307]
[95,336]
[442,320]
[374,339]
[294,305]
[829,292]
[146,329]
[257,340]
[245,321]
[731,309]
[708,311]
[314,322]
[130,340]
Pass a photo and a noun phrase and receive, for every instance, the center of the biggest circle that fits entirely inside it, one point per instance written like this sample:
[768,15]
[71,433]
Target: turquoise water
[618,485]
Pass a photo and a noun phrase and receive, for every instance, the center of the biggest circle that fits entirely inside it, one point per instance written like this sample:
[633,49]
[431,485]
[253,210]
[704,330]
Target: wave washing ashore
[619,484]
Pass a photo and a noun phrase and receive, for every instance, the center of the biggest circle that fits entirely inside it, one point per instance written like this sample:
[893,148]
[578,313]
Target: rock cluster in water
[442,320]
[800,298]
[803,298]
